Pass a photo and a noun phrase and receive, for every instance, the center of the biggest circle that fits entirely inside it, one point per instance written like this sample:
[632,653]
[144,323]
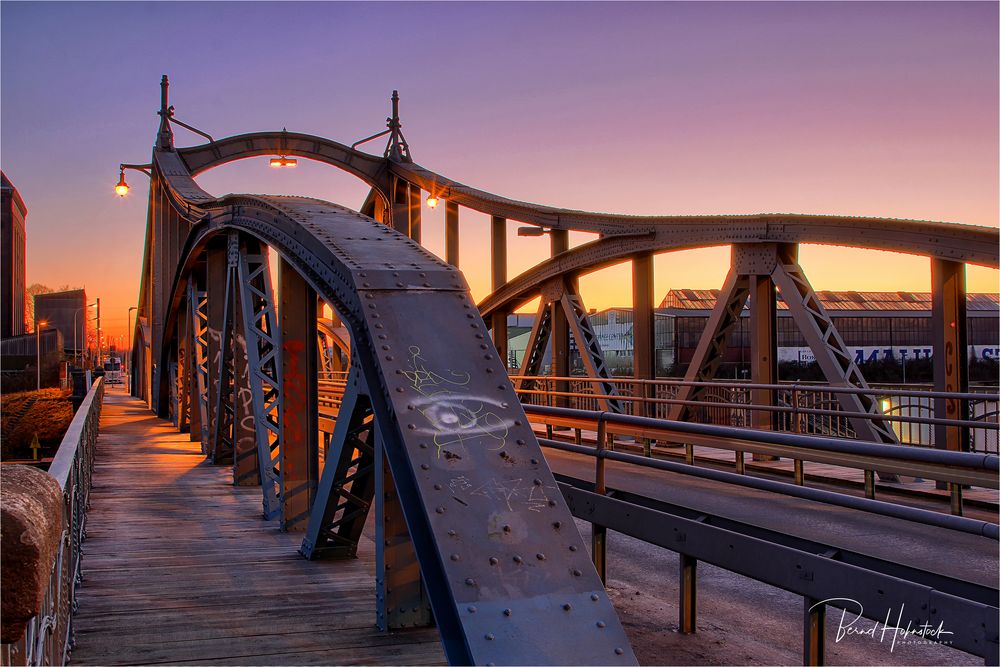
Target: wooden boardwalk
[179,567]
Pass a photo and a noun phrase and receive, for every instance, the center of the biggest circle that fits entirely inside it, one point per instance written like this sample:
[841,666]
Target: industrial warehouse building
[876,326]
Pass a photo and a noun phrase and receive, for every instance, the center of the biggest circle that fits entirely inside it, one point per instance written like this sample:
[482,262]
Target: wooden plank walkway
[179,567]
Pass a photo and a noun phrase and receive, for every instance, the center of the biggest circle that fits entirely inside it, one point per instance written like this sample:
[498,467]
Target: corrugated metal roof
[688,299]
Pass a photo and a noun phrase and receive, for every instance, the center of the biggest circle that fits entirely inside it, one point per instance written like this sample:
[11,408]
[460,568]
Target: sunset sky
[651,108]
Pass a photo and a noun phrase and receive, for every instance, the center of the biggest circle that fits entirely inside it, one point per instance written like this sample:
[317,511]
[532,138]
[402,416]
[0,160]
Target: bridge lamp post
[432,201]
[121,188]
[38,352]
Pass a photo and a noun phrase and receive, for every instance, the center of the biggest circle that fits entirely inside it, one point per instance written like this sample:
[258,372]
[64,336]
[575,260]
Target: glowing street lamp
[122,188]
[432,201]
[282,161]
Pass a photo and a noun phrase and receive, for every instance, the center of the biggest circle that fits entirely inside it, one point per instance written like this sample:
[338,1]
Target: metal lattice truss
[263,341]
[224,440]
[562,300]
[347,486]
[779,263]
[198,324]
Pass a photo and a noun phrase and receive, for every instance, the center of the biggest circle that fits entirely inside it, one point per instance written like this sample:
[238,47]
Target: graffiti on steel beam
[455,417]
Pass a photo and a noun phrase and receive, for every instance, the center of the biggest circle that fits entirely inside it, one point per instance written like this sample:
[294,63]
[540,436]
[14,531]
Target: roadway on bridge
[179,567]
[741,621]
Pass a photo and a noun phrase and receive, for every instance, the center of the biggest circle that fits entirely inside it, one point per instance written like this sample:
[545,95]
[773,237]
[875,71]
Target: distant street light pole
[100,351]
[76,350]
[130,336]
[38,351]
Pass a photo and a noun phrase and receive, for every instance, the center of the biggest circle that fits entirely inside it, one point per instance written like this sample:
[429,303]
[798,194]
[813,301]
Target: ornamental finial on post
[397,149]
[165,136]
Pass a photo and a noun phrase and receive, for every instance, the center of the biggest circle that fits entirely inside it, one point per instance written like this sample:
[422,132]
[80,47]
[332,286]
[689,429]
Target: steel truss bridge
[417,415]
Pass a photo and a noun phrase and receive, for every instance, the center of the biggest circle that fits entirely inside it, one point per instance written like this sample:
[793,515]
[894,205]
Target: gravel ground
[740,621]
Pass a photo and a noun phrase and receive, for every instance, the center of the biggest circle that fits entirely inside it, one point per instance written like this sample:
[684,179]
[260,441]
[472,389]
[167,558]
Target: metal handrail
[601,421]
[667,382]
[955,467]
[48,638]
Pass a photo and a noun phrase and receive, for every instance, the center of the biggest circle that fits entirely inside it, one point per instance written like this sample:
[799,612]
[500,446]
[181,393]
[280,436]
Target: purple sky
[887,109]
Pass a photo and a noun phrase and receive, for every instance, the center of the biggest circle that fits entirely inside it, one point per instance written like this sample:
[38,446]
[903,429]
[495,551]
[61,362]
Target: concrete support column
[498,253]
[451,232]
[643,329]
[299,409]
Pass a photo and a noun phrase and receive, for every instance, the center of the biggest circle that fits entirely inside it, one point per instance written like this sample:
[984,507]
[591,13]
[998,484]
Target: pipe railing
[48,638]
[955,468]
[947,465]
[796,407]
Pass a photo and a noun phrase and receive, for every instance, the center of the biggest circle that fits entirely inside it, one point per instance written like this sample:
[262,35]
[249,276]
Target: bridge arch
[392,294]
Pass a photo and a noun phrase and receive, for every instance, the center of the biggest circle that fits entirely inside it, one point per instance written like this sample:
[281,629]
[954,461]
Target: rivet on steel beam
[619,651]
[470,582]
[412,427]
[455,557]
[472,609]
[552,503]
[518,559]
[423,445]
[399,390]
[537,482]
[520,441]
[506,529]
[572,547]
[567,606]
[577,573]
[424,466]
[493,560]
[489,636]
[437,487]
[534,462]
[452,533]
[507,612]
[601,624]
[540,556]
[557,524]
[439,510]
[595,597]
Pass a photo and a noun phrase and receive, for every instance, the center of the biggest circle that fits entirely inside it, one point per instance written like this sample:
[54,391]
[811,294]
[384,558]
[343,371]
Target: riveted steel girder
[468,470]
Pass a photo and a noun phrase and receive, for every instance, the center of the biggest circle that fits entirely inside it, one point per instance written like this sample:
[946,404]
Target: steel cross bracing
[198,319]
[561,295]
[348,482]
[263,345]
[224,438]
[779,263]
[506,572]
